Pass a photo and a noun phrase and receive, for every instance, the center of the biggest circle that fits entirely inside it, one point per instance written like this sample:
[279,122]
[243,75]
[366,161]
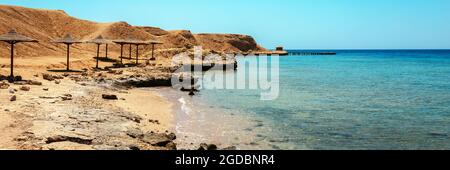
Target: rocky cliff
[46,25]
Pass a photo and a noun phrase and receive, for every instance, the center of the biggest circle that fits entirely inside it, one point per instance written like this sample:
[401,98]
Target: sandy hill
[46,25]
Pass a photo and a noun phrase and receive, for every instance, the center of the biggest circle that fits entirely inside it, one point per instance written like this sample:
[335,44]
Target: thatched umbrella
[68,40]
[99,41]
[153,43]
[13,38]
[138,43]
[131,41]
[121,42]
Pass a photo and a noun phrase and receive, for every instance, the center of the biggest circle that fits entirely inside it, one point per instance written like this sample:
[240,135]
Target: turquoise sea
[358,99]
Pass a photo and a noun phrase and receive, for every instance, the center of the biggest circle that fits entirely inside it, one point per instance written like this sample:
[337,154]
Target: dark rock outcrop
[160,140]
[109,97]
[61,138]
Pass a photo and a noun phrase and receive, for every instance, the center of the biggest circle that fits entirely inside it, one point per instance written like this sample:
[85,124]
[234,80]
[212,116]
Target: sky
[294,24]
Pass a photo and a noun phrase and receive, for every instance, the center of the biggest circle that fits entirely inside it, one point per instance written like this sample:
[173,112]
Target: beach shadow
[104,59]
[100,69]
[65,71]
[11,79]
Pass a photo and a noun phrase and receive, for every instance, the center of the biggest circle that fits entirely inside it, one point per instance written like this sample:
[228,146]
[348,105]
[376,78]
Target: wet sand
[198,121]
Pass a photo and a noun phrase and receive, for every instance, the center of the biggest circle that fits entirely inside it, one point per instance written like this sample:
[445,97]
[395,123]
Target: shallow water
[354,100]
[198,121]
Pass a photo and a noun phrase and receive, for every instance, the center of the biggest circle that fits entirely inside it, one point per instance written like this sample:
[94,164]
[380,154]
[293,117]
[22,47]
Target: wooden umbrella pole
[98,54]
[106,51]
[12,62]
[153,50]
[68,56]
[130,52]
[137,54]
[121,53]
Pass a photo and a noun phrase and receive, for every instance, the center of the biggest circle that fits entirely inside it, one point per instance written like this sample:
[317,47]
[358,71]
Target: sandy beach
[70,106]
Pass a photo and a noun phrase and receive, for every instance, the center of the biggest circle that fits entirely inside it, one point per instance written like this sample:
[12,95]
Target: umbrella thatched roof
[153,42]
[120,41]
[142,43]
[13,37]
[130,40]
[67,40]
[99,40]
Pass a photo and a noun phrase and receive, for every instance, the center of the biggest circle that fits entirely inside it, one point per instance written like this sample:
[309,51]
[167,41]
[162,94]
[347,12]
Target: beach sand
[149,106]
[76,110]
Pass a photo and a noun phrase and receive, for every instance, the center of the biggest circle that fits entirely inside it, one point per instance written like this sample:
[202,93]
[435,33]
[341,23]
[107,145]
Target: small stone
[259,125]
[60,77]
[109,97]
[75,139]
[13,98]
[18,78]
[134,147]
[57,81]
[212,147]
[154,139]
[35,83]
[135,133]
[203,147]
[65,98]
[12,91]
[21,138]
[45,89]
[48,77]
[4,85]
[171,146]
[230,148]
[191,93]
[172,136]
[25,88]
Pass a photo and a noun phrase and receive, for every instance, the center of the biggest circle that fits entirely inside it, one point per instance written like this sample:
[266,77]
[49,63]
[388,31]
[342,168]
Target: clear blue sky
[296,24]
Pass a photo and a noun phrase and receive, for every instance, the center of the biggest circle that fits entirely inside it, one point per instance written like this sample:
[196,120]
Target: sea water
[357,99]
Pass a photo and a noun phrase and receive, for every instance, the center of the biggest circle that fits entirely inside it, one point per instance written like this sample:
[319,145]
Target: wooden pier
[281,52]
[286,53]
[312,53]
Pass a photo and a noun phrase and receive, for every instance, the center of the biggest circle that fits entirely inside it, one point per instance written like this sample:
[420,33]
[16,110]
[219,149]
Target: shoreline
[198,121]
[66,112]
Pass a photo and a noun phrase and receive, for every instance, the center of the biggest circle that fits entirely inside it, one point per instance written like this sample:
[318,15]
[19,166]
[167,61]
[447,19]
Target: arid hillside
[47,25]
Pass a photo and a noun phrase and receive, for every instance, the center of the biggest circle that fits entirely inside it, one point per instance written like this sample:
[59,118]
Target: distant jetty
[312,53]
[281,52]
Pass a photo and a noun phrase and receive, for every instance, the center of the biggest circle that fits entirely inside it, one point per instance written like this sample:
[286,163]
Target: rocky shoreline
[77,111]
